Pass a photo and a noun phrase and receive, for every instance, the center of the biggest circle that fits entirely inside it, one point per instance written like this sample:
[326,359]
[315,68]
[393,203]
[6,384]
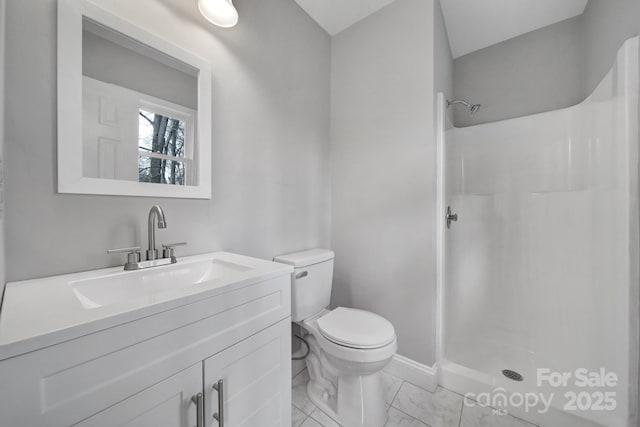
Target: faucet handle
[133,253]
[173,245]
[167,252]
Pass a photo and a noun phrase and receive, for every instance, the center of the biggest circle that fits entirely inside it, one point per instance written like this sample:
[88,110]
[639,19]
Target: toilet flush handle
[302,274]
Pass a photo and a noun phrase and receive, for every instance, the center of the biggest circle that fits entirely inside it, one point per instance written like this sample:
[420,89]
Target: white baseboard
[423,376]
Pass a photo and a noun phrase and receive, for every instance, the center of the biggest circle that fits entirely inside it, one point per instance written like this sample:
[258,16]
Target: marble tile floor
[408,406]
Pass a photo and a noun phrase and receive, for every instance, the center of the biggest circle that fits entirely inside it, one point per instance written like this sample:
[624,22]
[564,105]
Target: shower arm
[458,101]
[472,107]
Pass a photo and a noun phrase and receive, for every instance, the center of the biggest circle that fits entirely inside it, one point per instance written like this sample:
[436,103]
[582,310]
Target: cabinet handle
[198,399]
[219,416]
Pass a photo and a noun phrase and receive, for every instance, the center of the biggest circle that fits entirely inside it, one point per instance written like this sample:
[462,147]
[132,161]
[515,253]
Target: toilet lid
[356,328]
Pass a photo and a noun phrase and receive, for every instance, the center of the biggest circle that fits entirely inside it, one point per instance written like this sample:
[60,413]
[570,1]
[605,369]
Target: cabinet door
[256,378]
[166,404]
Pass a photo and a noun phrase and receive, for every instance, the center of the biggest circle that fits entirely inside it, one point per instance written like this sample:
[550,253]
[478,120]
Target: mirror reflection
[139,110]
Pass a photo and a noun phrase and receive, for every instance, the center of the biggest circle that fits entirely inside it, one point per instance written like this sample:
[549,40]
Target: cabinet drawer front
[256,377]
[167,403]
[64,384]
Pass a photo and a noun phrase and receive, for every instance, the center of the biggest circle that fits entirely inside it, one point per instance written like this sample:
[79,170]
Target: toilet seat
[347,353]
[357,329]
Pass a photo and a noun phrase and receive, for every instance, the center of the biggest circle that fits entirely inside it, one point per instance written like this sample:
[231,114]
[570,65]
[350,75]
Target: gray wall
[539,71]
[383,171]
[270,141]
[443,61]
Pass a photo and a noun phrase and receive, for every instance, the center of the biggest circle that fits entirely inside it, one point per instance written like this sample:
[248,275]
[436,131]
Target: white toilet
[349,347]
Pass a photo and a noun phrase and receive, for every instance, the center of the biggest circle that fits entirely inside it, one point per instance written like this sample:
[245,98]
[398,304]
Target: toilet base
[322,400]
[348,389]
[359,401]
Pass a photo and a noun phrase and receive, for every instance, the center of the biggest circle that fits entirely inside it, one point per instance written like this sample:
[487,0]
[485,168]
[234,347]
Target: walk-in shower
[538,277]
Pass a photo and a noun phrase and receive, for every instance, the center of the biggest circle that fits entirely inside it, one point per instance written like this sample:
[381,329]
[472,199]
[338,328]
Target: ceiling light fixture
[219,12]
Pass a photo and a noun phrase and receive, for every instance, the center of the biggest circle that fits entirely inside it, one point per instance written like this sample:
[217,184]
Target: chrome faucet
[156,212]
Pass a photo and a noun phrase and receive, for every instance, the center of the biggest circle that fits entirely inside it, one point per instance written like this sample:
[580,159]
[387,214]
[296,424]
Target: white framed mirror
[134,110]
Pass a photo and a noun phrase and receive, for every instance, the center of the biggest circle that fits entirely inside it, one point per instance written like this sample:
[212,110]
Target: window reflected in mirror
[162,147]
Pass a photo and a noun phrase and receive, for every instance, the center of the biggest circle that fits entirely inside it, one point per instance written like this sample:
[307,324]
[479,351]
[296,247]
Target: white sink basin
[113,288]
[41,312]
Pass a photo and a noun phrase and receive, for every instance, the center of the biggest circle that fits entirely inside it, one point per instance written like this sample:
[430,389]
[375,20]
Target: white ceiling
[336,15]
[471,24]
[474,25]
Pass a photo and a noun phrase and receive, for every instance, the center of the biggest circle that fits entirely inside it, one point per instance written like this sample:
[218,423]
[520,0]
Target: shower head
[472,107]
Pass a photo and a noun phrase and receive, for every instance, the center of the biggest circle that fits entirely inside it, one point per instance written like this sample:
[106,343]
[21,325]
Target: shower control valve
[450,217]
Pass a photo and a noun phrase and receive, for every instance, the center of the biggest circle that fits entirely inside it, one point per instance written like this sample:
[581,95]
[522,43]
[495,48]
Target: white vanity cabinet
[168,403]
[256,389]
[144,371]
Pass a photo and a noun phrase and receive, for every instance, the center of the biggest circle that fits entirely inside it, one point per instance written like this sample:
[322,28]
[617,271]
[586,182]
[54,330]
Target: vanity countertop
[43,312]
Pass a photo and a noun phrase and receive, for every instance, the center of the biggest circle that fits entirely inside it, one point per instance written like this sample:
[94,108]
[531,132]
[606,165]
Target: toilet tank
[310,282]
